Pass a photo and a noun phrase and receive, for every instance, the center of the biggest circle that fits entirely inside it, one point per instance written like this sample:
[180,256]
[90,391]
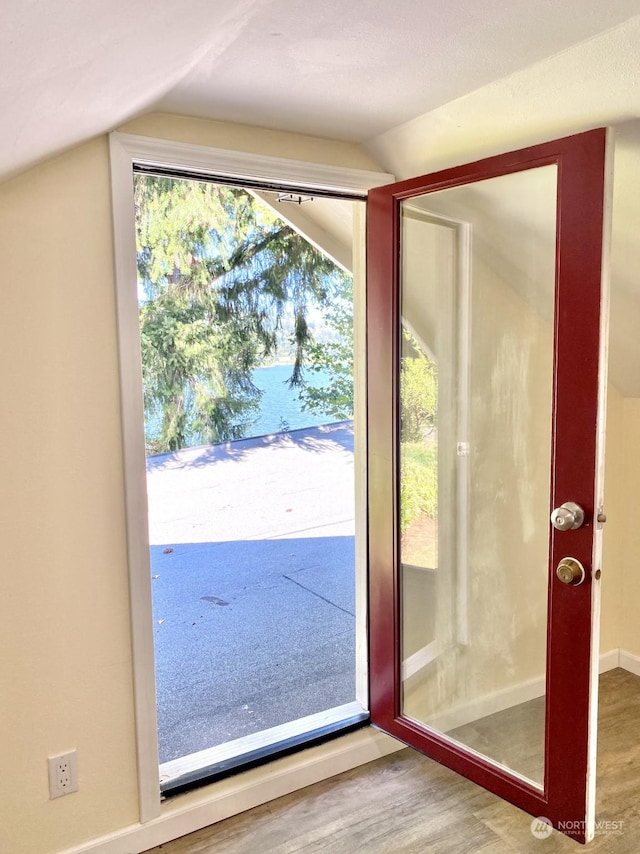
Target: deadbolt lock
[567,517]
[571,571]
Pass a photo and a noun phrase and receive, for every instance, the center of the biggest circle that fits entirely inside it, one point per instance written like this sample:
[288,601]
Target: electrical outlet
[63,774]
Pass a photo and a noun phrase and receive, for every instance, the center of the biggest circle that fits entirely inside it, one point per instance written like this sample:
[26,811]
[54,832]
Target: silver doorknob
[570,571]
[567,517]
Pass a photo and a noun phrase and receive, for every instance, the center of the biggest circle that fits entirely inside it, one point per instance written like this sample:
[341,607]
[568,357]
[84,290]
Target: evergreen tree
[333,356]
[217,271]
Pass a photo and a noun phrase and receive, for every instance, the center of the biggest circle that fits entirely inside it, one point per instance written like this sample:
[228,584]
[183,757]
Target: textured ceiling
[70,69]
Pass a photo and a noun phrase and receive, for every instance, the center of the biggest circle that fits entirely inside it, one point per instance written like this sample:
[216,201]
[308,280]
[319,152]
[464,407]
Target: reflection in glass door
[480,669]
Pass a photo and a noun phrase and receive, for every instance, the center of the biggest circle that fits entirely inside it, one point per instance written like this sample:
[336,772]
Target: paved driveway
[253,583]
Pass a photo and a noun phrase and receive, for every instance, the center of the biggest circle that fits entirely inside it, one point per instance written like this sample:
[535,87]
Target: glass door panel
[486,337]
[476,393]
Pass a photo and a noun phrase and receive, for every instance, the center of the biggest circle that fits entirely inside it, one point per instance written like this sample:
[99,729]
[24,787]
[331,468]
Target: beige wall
[251,140]
[612,552]
[65,667]
[620,624]
[629,614]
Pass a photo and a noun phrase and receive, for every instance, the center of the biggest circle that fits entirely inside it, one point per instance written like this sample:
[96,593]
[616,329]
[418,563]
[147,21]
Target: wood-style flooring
[406,803]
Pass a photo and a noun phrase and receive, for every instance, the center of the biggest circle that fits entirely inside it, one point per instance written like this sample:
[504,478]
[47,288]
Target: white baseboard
[511,696]
[489,704]
[630,662]
[189,812]
[610,660]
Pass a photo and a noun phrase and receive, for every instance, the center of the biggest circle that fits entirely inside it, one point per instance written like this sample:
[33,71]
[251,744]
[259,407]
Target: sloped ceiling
[71,69]
[422,83]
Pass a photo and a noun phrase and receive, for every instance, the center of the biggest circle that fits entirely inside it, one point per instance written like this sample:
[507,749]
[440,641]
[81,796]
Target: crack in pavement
[319,595]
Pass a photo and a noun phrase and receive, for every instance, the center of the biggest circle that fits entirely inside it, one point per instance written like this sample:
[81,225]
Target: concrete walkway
[253,583]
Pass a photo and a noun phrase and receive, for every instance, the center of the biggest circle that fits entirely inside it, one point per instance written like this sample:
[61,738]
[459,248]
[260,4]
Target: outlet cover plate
[63,774]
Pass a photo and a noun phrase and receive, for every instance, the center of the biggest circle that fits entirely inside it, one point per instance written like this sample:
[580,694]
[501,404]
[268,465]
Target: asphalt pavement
[252,555]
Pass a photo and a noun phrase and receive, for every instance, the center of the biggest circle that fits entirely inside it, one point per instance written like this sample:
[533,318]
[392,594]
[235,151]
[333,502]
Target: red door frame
[580,212]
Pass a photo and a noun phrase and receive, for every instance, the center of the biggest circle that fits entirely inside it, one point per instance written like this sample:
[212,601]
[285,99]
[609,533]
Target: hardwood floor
[410,804]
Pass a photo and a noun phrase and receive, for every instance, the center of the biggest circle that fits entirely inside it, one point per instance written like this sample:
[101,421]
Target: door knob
[570,571]
[567,517]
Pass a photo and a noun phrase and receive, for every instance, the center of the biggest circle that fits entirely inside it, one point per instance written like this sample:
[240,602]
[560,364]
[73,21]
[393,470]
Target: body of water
[280,408]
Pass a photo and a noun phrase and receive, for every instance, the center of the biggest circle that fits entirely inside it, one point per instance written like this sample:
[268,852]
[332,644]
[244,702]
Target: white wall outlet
[63,774]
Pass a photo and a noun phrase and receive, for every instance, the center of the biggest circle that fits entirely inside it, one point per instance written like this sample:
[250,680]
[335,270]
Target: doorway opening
[246,329]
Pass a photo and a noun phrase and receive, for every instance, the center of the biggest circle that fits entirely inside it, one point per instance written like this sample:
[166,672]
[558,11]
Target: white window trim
[127,150]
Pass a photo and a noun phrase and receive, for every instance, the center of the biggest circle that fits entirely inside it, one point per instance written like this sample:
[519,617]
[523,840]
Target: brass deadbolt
[571,571]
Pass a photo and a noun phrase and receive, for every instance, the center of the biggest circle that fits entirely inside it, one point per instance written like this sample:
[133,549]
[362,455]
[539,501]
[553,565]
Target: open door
[486,401]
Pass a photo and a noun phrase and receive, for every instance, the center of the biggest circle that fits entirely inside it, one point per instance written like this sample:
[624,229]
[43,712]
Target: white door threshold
[251,748]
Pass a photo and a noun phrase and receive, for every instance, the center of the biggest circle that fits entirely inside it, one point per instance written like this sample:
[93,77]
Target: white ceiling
[71,69]
[357,70]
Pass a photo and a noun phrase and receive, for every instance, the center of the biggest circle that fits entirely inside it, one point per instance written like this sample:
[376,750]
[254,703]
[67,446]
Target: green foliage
[419,450]
[418,390]
[333,356]
[418,482]
[217,272]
